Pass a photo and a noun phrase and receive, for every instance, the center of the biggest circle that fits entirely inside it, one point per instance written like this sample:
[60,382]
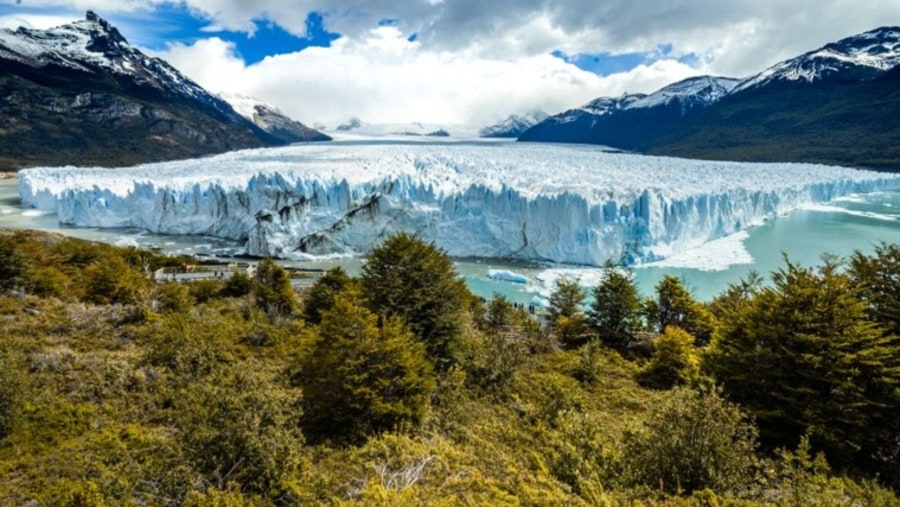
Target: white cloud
[384,78]
[477,60]
[36,21]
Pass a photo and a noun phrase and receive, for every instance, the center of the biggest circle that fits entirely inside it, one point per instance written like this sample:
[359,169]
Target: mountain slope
[845,123]
[626,122]
[271,120]
[838,104]
[513,126]
[80,94]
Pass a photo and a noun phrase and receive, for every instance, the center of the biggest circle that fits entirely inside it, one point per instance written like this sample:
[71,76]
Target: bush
[239,285]
[173,297]
[674,362]
[241,427]
[689,442]
[110,280]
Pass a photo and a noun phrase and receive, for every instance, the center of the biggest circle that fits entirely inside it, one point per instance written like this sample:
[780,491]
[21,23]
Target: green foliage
[692,441]
[736,297]
[203,291]
[172,297]
[196,407]
[565,314]
[272,289]
[500,314]
[239,285]
[674,362]
[416,281]
[12,265]
[12,393]
[191,347]
[675,306]
[803,357]
[320,296]
[112,281]
[615,311]
[238,426]
[876,280]
[491,359]
[361,379]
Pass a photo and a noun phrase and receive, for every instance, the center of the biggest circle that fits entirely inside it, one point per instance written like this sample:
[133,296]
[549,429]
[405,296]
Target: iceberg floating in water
[568,204]
[506,276]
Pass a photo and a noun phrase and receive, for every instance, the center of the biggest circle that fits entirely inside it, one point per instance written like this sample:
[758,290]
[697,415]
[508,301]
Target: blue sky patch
[174,23]
[604,64]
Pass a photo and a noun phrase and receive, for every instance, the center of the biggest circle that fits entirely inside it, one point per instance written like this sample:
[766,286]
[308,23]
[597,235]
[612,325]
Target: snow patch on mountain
[92,45]
[514,125]
[270,119]
[512,200]
[877,49]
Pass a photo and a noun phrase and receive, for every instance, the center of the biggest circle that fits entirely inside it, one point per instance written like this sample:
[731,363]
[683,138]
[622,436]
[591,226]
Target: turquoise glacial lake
[858,222]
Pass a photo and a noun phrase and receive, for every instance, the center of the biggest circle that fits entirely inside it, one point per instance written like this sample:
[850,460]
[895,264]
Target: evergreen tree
[676,307]
[736,297]
[320,296]
[876,280]
[272,288]
[803,357]
[416,281]
[615,312]
[362,379]
[566,316]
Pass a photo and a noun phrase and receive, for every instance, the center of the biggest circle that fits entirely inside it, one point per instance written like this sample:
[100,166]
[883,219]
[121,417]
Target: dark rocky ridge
[79,94]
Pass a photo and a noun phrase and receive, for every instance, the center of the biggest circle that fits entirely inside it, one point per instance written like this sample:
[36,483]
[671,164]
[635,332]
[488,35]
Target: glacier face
[569,204]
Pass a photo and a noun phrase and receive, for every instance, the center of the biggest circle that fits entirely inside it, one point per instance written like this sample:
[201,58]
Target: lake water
[853,223]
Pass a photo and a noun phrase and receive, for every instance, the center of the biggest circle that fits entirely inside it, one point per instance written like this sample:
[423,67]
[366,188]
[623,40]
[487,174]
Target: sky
[459,62]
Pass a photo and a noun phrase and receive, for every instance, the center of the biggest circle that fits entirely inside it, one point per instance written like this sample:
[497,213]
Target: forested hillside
[399,387]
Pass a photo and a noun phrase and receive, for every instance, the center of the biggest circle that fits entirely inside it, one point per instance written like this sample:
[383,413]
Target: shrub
[691,441]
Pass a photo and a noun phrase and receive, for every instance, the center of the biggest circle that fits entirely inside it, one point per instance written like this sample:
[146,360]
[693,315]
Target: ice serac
[555,203]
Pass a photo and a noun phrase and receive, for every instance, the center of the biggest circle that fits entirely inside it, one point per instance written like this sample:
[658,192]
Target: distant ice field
[559,203]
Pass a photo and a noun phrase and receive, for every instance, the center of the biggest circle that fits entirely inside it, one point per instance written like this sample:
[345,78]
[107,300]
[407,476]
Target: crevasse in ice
[570,204]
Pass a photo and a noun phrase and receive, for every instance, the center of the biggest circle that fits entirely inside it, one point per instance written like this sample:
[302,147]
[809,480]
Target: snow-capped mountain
[702,91]
[85,95]
[514,125]
[859,56]
[357,127]
[272,120]
[621,122]
[838,104]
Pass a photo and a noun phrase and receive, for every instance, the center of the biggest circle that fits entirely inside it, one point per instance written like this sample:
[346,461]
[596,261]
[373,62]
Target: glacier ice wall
[570,204]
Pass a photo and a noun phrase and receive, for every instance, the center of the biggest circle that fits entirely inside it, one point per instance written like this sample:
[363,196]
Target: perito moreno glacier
[567,204]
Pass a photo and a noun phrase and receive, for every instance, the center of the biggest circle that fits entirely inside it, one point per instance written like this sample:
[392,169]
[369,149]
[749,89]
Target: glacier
[569,204]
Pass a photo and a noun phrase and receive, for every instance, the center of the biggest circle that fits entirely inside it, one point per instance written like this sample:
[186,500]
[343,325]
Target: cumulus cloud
[475,60]
[384,78]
